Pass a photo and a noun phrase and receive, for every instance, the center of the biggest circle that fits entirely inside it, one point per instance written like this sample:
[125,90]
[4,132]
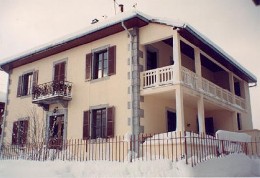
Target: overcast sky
[234,25]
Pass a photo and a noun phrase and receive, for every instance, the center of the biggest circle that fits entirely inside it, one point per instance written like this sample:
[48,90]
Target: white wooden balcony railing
[157,77]
[164,76]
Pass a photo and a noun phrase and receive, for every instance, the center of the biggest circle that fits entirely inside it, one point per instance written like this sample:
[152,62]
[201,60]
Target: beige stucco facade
[183,91]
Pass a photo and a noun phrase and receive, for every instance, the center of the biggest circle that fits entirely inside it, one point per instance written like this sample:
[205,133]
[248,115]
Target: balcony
[164,76]
[52,92]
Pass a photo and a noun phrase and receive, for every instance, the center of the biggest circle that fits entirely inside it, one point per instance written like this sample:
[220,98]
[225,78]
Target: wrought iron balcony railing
[52,89]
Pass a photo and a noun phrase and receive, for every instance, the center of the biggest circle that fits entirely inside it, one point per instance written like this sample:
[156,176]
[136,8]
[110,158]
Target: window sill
[25,96]
[99,79]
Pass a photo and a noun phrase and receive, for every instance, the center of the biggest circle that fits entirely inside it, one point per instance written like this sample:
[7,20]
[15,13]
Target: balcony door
[171,121]
[56,131]
[151,60]
[209,126]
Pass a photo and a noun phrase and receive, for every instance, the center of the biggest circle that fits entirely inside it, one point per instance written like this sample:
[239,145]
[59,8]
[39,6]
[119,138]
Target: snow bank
[233,136]
[232,165]
[176,137]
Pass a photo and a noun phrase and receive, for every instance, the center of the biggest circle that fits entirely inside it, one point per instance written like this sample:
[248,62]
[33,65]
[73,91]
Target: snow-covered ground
[232,165]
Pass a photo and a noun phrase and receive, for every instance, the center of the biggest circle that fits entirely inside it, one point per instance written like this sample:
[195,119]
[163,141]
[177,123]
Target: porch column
[176,57]
[234,118]
[197,61]
[231,82]
[198,67]
[201,115]
[180,126]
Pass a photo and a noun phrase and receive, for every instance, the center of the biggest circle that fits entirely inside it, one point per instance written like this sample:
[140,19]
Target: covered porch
[166,112]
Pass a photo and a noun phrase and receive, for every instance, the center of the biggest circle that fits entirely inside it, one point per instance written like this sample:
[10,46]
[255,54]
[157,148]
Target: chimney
[121,7]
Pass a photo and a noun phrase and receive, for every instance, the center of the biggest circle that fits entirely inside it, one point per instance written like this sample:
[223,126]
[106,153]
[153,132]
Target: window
[26,82]
[98,123]
[101,63]
[20,129]
[100,67]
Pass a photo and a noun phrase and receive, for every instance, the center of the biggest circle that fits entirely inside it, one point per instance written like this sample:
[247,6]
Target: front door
[209,126]
[56,129]
[171,117]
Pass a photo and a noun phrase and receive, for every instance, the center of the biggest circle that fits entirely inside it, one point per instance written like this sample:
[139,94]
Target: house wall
[187,62]
[155,118]
[154,32]
[221,78]
[155,115]
[110,91]
[165,53]
[207,74]
[223,120]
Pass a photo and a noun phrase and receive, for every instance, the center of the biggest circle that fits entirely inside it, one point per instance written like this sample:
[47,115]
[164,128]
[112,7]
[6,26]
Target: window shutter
[112,60]
[35,77]
[15,133]
[86,125]
[56,72]
[20,86]
[110,121]
[62,71]
[24,132]
[88,66]
[59,71]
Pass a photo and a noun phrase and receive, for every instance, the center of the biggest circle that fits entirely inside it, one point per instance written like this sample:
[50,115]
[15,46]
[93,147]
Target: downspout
[5,112]
[131,58]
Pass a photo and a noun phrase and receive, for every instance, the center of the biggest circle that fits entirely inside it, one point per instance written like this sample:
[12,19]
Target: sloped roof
[113,25]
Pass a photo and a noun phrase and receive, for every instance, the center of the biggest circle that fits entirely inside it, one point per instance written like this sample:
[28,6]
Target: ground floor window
[98,123]
[19,134]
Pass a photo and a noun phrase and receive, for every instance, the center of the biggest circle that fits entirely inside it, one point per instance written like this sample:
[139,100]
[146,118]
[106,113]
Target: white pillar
[198,67]
[180,125]
[231,82]
[201,115]
[176,57]
[197,61]
[248,112]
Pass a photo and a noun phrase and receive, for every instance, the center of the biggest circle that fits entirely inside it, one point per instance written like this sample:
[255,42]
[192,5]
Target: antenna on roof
[121,6]
[115,3]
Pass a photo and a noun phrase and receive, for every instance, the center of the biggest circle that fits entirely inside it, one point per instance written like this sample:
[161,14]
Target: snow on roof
[122,17]
[233,136]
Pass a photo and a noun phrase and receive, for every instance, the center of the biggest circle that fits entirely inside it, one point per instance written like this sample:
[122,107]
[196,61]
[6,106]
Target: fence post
[131,148]
[185,149]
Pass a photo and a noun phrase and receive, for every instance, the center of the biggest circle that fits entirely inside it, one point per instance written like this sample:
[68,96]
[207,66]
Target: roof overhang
[217,53]
[48,50]
[133,19]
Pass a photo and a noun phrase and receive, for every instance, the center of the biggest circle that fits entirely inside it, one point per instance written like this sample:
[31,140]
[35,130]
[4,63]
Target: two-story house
[130,74]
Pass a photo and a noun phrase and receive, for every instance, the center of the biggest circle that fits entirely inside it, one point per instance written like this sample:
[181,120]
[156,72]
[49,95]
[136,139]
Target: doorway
[209,126]
[56,131]
[171,121]
[151,60]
